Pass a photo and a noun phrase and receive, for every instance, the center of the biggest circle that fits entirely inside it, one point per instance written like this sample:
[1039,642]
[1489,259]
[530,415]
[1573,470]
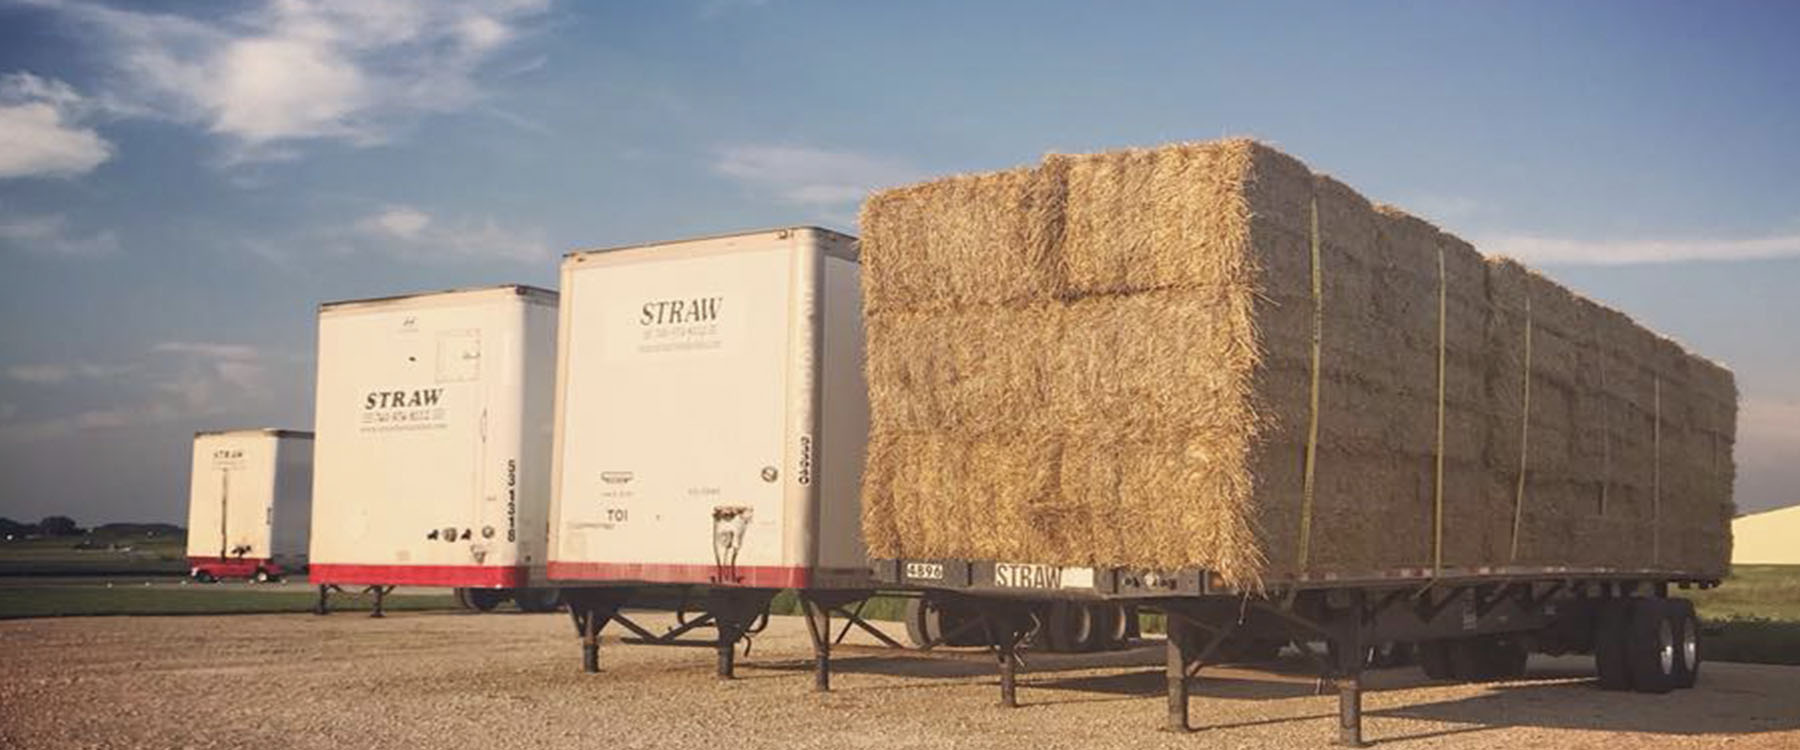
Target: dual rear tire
[1648,645]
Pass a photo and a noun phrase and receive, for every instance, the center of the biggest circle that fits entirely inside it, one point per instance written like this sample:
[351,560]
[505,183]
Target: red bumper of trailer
[457,576]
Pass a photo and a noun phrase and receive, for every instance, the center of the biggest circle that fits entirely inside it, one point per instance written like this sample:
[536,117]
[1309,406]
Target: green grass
[58,556]
[1751,591]
[88,599]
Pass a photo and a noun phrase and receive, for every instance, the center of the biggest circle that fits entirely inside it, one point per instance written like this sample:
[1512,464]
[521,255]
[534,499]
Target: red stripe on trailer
[465,576]
[752,576]
[232,567]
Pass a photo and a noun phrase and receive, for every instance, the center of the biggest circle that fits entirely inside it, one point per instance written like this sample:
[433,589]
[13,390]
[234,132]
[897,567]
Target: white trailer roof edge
[835,244]
[529,293]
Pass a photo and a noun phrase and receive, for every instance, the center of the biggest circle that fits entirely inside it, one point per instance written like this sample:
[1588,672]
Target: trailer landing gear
[323,605]
[818,606]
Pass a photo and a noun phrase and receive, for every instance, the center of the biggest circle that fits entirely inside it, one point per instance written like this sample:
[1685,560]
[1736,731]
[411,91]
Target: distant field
[58,556]
[1754,616]
[60,599]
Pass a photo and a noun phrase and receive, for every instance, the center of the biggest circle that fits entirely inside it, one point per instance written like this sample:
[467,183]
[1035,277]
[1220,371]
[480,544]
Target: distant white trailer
[434,436]
[248,504]
[710,428]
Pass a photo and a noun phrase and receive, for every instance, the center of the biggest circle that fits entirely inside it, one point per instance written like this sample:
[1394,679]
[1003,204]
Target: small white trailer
[433,466]
[248,504]
[710,427]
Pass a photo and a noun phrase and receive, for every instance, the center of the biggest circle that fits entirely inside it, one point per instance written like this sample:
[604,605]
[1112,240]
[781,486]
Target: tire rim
[1665,646]
[1690,645]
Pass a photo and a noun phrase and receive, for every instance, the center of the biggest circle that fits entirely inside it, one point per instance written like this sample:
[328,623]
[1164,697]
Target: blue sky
[181,184]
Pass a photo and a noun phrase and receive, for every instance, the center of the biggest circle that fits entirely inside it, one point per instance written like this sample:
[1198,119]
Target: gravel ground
[505,681]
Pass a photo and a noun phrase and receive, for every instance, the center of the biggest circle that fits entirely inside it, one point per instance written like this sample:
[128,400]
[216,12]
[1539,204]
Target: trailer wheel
[914,617]
[1687,643]
[1611,616]
[205,576]
[1114,627]
[461,596]
[1434,659]
[1469,660]
[1507,657]
[1071,628]
[1651,644]
[537,600]
[261,576]
[926,620]
[485,600]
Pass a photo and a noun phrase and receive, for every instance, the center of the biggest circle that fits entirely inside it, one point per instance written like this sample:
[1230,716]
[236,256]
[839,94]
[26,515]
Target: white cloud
[402,222]
[408,232]
[287,71]
[40,134]
[1537,249]
[53,374]
[206,349]
[48,234]
[810,176]
[40,374]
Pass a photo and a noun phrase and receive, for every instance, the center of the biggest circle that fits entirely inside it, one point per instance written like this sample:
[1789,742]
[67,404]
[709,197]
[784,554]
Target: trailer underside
[1470,625]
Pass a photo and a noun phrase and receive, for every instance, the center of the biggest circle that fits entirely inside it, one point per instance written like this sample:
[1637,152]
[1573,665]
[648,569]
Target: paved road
[511,681]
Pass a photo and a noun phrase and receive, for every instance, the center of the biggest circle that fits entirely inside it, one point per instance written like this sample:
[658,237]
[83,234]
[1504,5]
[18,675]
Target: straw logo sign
[416,409]
[680,325]
[1017,576]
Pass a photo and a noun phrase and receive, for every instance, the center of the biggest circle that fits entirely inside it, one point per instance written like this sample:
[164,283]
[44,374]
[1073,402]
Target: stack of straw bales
[1110,360]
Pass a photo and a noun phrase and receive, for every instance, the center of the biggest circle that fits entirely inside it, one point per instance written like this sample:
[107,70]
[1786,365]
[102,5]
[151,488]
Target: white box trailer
[711,414]
[248,503]
[433,419]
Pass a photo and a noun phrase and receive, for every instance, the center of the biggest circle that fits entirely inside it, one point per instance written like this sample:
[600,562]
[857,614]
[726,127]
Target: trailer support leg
[734,613]
[592,609]
[1350,711]
[1006,629]
[818,624]
[321,607]
[1350,644]
[1180,640]
[380,599]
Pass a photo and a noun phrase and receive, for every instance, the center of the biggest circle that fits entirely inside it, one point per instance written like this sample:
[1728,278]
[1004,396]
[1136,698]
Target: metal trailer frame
[1557,607]
[735,613]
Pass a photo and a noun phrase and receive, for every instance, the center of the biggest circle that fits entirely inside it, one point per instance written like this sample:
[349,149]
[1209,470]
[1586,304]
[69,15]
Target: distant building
[1771,537]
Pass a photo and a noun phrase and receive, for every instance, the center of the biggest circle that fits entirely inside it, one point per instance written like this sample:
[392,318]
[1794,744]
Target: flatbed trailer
[1466,624]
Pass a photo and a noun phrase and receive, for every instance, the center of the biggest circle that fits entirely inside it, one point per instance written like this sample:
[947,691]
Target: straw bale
[1107,359]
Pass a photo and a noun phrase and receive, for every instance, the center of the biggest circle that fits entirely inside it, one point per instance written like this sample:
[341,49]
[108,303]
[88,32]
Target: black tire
[485,600]
[1470,660]
[462,598]
[260,576]
[1434,659]
[1071,628]
[1110,628]
[1687,643]
[915,621]
[926,622]
[537,600]
[1650,645]
[1611,618]
[1507,657]
[205,577]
